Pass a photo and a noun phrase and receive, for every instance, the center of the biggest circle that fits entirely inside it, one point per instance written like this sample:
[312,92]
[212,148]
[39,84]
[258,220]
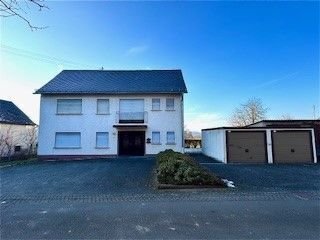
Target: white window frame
[107,134]
[68,113]
[168,107]
[103,113]
[153,107]
[67,147]
[152,138]
[174,138]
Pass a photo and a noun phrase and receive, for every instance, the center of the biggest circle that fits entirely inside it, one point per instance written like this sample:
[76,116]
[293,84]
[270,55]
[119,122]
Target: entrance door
[131,143]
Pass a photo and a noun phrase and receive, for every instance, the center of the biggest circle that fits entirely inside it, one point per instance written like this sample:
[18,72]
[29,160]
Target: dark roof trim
[252,128]
[284,121]
[105,93]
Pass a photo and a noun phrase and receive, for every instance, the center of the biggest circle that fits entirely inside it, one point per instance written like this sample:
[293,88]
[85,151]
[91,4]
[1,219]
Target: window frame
[99,99]
[66,147]
[152,108]
[173,107]
[66,99]
[174,135]
[152,141]
[108,143]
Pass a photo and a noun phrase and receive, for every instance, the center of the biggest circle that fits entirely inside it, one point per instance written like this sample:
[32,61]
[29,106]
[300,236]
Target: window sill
[170,143]
[102,147]
[156,143]
[170,110]
[103,114]
[67,148]
[155,110]
[69,114]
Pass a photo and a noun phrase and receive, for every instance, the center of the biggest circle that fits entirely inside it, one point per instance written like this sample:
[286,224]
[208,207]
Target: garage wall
[214,144]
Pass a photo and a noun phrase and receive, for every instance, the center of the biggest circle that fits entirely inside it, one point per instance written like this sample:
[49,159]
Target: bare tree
[6,142]
[286,116]
[30,139]
[19,8]
[250,112]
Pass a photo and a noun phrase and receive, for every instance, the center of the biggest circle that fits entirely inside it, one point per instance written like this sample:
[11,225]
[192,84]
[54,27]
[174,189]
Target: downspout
[182,122]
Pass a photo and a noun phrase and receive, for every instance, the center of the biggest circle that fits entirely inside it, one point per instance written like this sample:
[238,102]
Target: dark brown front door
[131,143]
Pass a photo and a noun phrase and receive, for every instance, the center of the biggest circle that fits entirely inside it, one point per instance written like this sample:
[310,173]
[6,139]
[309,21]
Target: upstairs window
[69,106]
[156,104]
[170,104]
[171,139]
[103,106]
[102,140]
[155,137]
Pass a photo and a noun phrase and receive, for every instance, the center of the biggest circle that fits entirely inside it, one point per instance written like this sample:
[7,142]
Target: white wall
[214,144]
[88,123]
[16,135]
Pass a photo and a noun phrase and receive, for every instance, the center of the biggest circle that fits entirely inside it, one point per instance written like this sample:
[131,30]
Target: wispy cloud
[195,121]
[274,81]
[137,50]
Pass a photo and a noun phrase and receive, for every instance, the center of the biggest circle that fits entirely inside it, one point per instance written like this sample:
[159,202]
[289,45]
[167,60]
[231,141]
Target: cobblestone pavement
[116,199]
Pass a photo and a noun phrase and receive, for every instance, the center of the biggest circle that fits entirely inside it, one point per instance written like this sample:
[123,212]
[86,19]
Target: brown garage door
[246,147]
[292,147]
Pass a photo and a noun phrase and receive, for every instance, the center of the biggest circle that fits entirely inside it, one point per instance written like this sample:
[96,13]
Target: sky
[228,52]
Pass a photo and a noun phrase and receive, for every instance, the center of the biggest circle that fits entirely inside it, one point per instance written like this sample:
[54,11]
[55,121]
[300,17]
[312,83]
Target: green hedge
[180,169]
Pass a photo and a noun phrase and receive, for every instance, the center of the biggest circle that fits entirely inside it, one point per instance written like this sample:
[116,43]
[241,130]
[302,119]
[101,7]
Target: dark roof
[115,81]
[11,114]
[293,122]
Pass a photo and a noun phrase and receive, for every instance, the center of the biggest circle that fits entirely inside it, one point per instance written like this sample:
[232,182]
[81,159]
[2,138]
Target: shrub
[180,169]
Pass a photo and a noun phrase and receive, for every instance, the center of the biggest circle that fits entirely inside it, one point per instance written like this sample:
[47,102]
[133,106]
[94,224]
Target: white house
[97,113]
[18,134]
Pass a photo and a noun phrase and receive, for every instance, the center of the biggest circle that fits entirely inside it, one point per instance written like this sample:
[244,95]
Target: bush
[180,169]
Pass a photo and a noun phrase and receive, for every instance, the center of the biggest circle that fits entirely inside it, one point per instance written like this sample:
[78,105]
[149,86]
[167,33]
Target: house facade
[18,134]
[106,113]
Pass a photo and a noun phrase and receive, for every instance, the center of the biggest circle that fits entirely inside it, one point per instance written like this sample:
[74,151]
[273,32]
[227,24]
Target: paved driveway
[263,177]
[91,177]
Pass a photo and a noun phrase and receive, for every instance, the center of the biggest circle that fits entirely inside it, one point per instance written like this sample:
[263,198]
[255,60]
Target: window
[69,106]
[155,137]
[170,103]
[156,104]
[68,140]
[17,148]
[171,138]
[103,106]
[102,140]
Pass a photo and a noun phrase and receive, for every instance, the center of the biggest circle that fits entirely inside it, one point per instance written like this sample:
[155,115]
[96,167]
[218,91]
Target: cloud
[196,121]
[273,81]
[137,50]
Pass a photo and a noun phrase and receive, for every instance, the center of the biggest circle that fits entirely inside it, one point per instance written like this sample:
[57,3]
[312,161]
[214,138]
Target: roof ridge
[121,70]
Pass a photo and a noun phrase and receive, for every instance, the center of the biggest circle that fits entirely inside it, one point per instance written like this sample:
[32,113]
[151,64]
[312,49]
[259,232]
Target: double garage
[259,145]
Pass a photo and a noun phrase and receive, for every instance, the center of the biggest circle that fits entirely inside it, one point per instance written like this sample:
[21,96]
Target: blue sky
[228,51]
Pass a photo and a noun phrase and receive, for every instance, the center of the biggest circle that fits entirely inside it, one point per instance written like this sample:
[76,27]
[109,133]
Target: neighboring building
[263,144]
[18,134]
[96,113]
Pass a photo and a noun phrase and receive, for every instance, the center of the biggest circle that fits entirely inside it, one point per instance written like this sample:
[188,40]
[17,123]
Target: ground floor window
[155,138]
[171,138]
[102,140]
[68,140]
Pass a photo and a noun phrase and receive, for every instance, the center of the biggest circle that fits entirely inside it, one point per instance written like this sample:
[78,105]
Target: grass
[174,168]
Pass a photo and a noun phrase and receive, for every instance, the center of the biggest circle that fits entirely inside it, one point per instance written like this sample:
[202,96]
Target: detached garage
[259,145]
